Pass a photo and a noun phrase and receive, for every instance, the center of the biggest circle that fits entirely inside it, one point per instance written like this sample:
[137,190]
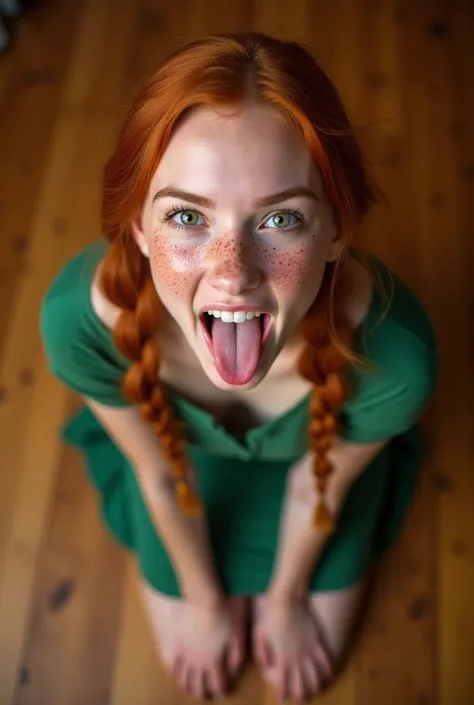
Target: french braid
[322,364]
[127,282]
[224,71]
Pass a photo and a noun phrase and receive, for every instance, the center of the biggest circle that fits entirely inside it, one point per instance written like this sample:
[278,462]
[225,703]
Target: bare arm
[301,545]
[186,539]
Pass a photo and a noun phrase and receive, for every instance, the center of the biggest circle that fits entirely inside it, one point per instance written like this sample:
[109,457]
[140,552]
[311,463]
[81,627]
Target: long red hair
[227,71]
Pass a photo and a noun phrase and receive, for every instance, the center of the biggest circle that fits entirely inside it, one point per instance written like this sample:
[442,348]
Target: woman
[253,387]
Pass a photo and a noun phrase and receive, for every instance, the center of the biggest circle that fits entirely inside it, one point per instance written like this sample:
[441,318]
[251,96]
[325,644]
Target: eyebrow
[171,191]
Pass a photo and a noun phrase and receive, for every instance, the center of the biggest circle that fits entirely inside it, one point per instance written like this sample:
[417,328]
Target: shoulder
[104,309]
[64,308]
[399,334]
[400,348]
[70,288]
[79,348]
[360,293]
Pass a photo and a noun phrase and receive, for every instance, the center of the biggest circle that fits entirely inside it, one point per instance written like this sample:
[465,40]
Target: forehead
[254,152]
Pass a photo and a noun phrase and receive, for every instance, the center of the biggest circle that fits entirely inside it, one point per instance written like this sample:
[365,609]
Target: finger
[311,680]
[216,682]
[295,682]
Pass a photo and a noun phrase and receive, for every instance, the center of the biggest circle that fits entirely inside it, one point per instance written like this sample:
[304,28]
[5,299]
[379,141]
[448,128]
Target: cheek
[290,271]
[174,267]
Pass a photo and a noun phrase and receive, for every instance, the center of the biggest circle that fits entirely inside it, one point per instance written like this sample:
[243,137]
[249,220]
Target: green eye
[188,217]
[281,220]
[184,218]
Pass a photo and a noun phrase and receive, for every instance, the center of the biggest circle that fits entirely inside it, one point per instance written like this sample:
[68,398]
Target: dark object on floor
[8,8]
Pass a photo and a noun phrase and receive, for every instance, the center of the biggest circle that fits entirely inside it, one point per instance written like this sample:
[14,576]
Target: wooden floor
[71,627]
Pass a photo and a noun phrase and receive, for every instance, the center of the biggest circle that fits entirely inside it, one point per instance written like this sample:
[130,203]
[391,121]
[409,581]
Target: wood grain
[72,628]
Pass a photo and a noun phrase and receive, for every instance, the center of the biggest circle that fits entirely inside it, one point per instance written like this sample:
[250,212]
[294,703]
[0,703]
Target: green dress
[242,480]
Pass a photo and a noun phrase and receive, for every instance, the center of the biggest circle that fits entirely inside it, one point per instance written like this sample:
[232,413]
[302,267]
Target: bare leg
[336,613]
[165,614]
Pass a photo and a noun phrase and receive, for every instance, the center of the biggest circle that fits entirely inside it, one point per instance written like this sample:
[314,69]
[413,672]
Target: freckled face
[224,242]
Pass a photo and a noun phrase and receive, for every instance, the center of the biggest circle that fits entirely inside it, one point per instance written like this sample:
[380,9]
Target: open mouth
[237,348]
[207,322]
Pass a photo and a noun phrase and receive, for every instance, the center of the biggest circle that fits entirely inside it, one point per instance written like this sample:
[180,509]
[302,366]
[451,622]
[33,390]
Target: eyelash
[179,209]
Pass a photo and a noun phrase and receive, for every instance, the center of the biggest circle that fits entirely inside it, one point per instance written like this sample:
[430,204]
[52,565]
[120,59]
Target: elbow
[349,461]
[155,482]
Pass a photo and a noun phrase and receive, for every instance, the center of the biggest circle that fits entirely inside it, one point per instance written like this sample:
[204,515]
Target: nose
[233,266]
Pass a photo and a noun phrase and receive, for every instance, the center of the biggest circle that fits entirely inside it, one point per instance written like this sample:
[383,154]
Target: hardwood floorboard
[72,629]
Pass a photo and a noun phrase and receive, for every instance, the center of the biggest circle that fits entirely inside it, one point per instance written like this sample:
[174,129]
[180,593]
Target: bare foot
[334,613]
[204,650]
[287,648]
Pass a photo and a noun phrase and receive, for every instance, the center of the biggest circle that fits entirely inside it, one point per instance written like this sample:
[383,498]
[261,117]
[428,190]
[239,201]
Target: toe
[216,681]
[262,651]
[282,681]
[234,657]
[321,657]
[186,678]
[177,667]
[311,680]
[167,658]
[198,688]
[295,683]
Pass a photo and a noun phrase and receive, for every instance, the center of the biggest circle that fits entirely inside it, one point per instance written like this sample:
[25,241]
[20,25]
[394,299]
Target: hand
[287,644]
[209,648]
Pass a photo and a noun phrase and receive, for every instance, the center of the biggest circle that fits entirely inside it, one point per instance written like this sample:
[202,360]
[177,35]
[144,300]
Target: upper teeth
[234,317]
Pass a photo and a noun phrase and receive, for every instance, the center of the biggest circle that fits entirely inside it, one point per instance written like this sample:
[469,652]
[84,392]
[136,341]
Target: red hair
[229,71]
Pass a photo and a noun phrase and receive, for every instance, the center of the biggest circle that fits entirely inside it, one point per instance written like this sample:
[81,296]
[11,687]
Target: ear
[337,247]
[139,236]
[337,250]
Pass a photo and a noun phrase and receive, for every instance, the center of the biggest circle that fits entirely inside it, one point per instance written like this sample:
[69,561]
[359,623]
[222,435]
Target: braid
[127,282]
[321,362]
[284,77]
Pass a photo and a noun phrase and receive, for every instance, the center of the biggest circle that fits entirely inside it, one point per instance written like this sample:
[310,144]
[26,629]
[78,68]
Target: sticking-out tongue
[236,348]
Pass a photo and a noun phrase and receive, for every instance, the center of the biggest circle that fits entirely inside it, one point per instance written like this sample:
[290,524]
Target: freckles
[288,269]
[174,266]
[232,257]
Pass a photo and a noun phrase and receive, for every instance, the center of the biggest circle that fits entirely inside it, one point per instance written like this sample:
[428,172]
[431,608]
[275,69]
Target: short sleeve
[80,354]
[388,400]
